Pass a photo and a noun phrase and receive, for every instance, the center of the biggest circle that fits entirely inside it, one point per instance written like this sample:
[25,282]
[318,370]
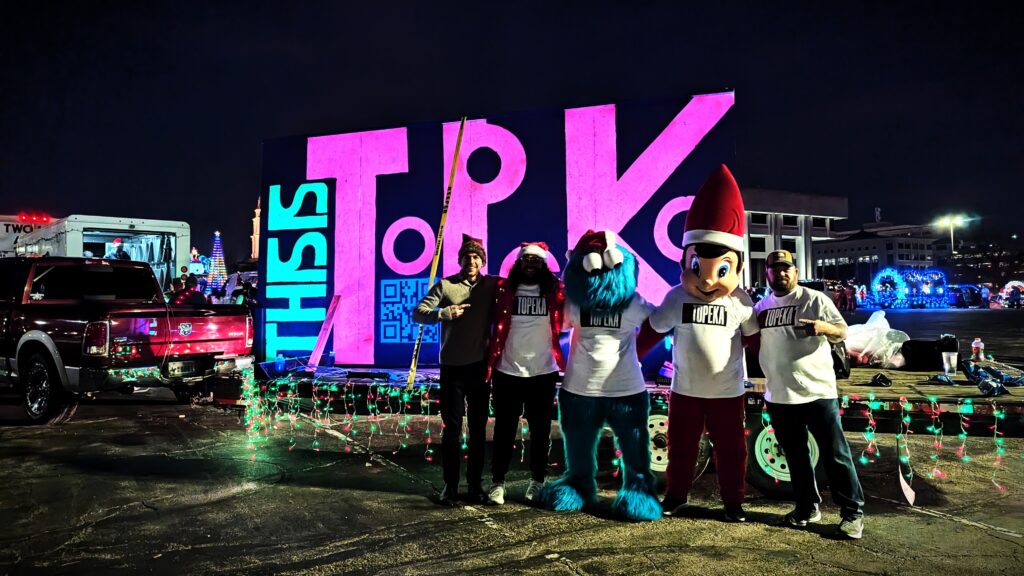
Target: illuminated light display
[1005,292]
[297,255]
[368,417]
[661,238]
[421,262]
[907,288]
[888,288]
[218,275]
[543,176]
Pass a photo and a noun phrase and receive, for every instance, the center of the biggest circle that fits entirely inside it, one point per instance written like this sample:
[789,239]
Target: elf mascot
[603,383]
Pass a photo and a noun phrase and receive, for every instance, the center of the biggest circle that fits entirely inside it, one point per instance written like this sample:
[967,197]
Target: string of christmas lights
[367,413]
[871,451]
[903,440]
[766,423]
[964,406]
[936,429]
[1000,445]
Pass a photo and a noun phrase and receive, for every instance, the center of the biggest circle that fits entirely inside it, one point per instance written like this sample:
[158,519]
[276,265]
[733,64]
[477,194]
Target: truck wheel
[657,426]
[43,395]
[767,469]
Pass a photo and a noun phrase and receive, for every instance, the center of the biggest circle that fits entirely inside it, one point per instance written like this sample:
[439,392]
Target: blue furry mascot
[603,383]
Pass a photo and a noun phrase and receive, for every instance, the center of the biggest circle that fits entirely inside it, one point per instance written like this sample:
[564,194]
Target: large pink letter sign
[470,199]
[598,199]
[356,160]
[378,286]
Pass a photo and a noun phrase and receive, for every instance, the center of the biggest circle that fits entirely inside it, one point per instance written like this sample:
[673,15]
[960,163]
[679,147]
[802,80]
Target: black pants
[792,422]
[513,394]
[462,386]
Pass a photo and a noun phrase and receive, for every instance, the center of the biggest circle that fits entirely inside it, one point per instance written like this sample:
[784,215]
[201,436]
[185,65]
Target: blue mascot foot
[636,505]
[561,496]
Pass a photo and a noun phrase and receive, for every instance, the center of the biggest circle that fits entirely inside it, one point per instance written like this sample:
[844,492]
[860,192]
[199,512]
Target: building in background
[984,259]
[860,254]
[791,221]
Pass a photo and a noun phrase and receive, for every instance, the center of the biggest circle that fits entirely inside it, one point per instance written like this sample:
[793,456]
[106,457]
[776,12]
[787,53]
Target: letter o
[661,239]
[418,264]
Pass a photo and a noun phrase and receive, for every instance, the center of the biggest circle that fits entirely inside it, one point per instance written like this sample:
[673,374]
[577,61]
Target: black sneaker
[801,518]
[735,513]
[448,496]
[673,506]
[476,494]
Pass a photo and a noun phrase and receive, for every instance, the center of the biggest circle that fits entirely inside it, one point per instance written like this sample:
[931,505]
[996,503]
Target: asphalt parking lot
[139,484]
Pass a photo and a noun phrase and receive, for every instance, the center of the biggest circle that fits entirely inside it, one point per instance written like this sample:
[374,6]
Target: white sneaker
[533,489]
[496,494]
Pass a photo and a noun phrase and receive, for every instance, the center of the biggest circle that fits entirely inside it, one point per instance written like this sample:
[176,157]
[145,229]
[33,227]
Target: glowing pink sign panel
[596,196]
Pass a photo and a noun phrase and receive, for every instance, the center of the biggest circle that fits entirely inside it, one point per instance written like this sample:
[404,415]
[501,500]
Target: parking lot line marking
[938,514]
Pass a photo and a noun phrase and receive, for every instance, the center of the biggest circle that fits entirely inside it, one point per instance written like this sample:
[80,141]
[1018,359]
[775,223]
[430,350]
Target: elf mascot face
[713,237]
[603,383]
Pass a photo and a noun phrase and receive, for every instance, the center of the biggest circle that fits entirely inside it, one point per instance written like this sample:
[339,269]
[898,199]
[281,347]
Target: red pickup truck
[74,325]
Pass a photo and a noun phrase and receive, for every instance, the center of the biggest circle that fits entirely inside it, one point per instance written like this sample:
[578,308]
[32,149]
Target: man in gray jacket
[462,303]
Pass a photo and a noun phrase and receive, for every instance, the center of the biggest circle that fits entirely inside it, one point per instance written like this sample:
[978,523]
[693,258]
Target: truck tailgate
[224,332]
[148,336]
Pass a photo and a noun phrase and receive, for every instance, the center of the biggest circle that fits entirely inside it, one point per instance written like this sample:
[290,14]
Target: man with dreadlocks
[524,360]
[603,382]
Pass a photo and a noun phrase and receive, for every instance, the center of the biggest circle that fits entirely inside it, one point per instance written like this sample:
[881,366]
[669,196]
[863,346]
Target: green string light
[1000,445]
[964,406]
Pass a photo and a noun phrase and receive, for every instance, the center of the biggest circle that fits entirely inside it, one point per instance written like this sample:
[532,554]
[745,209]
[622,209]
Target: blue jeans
[820,418]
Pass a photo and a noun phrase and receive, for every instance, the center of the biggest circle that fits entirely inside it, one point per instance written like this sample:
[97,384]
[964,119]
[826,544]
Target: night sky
[147,109]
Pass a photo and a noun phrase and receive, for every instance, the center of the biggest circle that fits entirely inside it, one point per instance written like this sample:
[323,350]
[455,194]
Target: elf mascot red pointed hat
[716,215]
[603,383]
[708,316]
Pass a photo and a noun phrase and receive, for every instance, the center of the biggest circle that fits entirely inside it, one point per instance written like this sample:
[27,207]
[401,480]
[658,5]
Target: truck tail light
[96,339]
[248,331]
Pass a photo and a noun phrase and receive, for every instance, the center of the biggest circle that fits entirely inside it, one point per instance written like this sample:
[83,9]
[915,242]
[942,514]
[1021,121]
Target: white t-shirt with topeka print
[797,367]
[602,356]
[527,349]
[707,353]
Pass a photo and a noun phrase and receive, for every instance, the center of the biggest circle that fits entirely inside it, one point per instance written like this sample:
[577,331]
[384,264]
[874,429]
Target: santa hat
[599,249]
[472,245]
[116,241]
[538,249]
[716,215]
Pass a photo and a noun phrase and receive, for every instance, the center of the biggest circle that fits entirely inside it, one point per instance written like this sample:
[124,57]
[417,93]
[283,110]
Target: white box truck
[14,225]
[164,244]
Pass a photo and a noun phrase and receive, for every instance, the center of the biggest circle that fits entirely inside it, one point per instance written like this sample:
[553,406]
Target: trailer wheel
[767,469]
[657,426]
[43,397]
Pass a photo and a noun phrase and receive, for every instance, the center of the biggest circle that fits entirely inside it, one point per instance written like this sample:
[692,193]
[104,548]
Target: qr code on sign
[398,298]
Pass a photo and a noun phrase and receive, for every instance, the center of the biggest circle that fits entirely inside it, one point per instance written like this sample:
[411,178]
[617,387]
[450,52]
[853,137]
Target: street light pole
[952,222]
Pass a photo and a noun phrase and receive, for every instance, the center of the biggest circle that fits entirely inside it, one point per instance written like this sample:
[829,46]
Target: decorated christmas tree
[218,272]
